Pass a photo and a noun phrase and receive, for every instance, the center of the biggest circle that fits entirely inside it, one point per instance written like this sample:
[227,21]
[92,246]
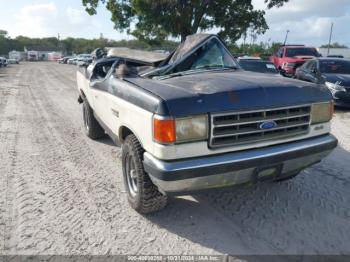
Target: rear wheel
[92,127]
[143,195]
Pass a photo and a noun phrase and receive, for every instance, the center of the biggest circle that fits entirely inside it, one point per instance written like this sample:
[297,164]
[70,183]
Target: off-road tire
[92,127]
[147,198]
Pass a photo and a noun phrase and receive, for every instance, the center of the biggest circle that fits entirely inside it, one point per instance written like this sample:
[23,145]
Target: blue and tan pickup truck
[192,120]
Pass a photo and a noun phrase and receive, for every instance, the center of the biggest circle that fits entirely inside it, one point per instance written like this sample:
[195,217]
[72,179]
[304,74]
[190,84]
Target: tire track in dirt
[9,135]
[65,194]
[24,205]
[59,178]
[341,126]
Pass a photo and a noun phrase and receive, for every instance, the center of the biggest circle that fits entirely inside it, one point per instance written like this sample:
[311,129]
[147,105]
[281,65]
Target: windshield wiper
[162,77]
[187,72]
[217,67]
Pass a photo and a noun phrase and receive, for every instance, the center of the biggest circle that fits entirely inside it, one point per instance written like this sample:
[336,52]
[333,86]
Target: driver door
[100,94]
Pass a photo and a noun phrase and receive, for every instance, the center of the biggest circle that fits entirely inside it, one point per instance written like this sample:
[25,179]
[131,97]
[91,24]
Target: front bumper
[275,162]
[289,70]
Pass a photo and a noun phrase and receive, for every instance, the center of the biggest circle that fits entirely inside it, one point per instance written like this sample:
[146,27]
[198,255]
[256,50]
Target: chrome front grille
[235,128]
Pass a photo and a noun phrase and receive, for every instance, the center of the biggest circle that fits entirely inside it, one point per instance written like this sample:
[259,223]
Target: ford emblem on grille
[268,125]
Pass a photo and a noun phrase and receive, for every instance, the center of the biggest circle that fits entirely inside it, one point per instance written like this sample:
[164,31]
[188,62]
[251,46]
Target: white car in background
[12,61]
[3,62]
[72,61]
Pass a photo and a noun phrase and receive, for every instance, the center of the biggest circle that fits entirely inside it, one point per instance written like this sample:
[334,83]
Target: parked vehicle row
[64,60]
[12,61]
[4,62]
[289,57]
[304,63]
[74,60]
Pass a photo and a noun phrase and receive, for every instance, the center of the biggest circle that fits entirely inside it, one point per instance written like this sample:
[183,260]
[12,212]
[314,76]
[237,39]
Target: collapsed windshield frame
[170,67]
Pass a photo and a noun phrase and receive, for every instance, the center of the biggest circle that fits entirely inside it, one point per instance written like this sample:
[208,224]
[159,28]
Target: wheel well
[124,132]
[81,97]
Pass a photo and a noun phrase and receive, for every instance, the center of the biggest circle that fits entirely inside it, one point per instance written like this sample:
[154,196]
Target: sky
[308,21]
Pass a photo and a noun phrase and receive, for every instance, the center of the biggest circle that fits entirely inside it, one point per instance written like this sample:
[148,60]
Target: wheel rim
[131,176]
[86,118]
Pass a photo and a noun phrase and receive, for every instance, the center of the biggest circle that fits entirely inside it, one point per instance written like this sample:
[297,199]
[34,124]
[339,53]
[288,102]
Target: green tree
[334,45]
[5,42]
[154,20]
[3,33]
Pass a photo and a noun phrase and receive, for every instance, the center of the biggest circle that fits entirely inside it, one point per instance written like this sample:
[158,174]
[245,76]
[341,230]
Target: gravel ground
[62,193]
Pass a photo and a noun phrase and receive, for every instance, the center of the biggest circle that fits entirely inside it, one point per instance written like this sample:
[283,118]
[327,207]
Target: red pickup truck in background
[289,57]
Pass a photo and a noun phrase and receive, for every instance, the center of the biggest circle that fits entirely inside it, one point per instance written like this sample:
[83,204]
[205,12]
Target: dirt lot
[62,193]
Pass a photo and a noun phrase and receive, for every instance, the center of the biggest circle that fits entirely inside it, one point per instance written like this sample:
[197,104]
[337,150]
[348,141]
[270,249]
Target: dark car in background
[335,56]
[333,72]
[257,65]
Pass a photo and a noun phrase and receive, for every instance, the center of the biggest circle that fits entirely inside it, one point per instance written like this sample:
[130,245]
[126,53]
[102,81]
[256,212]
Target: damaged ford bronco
[193,120]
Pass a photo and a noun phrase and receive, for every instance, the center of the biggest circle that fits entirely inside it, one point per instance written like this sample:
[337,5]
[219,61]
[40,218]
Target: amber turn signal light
[164,130]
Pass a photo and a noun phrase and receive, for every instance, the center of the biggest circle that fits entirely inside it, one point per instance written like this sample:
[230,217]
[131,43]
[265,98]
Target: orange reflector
[164,131]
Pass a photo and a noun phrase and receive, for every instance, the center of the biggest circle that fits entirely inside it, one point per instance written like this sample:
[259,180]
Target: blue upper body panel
[222,91]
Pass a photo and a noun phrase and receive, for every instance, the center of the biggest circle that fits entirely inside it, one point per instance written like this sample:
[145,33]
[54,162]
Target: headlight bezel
[321,112]
[289,65]
[194,121]
[173,126]
[334,87]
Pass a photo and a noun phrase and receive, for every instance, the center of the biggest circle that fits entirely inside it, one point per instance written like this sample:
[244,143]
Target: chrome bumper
[250,166]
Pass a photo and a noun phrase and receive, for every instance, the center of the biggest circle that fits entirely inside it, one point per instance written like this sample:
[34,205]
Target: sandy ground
[62,193]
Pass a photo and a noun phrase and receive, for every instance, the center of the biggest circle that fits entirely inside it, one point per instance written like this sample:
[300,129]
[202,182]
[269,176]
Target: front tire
[143,195]
[92,127]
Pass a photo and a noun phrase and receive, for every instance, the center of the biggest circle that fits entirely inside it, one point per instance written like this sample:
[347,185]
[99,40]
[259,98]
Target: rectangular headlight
[179,130]
[192,128]
[322,112]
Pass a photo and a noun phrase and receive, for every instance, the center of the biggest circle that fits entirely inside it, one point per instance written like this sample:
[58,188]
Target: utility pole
[285,40]
[330,39]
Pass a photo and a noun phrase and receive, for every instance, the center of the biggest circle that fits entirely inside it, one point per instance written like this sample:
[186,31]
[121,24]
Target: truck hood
[210,92]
